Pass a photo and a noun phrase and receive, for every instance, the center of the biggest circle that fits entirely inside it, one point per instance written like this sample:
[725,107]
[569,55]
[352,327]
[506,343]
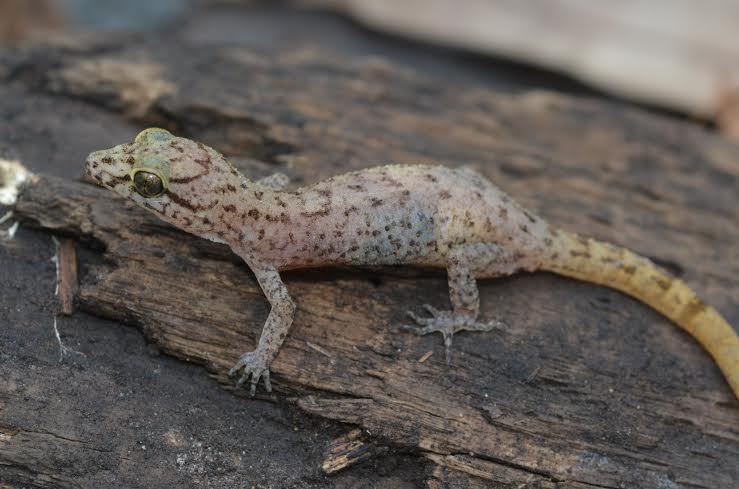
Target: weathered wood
[67,284]
[585,388]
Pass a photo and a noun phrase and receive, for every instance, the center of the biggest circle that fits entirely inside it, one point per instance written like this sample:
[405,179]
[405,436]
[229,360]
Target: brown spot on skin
[357,188]
[205,163]
[254,214]
[261,234]
[107,160]
[583,254]
[116,180]
[230,187]
[431,178]
[503,213]
[258,194]
[187,179]
[130,160]
[291,237]
[375,202]
[524,228]
[692,309]
[443,195]
[531,218]
[229,208]
[322,213]
[375,233]
[548,241]
[324,193]
[663,283]
[187,204]
[629,269]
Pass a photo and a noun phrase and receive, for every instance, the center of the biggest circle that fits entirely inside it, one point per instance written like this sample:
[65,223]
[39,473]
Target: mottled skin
[429,216]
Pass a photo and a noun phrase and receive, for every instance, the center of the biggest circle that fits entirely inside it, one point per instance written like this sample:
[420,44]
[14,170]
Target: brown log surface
[585,388]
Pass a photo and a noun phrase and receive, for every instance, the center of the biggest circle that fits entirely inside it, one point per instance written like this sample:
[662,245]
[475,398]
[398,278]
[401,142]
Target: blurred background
[678,56]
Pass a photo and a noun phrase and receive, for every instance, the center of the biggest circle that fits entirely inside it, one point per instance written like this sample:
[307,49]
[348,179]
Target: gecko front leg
[255,364]
[463,265]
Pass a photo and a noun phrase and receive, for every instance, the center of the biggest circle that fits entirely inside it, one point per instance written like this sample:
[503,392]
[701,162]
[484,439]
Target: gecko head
[164,174]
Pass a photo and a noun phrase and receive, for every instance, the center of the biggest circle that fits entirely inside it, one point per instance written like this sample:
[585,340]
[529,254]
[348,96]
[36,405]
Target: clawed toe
[254,368]
[419,320]
[447,323]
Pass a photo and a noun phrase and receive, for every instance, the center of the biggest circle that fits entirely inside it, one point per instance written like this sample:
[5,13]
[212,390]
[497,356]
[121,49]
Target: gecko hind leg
[463,265]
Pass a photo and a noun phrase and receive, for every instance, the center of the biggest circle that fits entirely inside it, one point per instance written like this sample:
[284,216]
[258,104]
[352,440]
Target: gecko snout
[94,167]
[91,163]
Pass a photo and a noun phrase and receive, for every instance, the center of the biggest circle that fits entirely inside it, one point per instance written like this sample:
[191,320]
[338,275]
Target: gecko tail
[618,268]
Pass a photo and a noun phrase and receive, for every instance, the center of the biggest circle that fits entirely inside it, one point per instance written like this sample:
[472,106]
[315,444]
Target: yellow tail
[605,264]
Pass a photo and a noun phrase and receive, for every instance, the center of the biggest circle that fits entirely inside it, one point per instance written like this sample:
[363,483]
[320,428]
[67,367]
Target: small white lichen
[12,176]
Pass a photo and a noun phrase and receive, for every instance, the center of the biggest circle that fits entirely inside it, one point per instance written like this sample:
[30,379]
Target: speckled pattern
[418,215]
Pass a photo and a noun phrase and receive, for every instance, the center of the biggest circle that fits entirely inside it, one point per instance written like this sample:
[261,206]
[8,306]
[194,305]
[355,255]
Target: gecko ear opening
[153,134]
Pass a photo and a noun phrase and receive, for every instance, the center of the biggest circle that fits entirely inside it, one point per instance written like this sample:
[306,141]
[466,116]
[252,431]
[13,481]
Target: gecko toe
[447,323]
[253,367]
[420,320]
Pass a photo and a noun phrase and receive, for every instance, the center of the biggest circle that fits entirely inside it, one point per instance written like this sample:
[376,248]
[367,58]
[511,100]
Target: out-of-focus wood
[681,55]
[20,20]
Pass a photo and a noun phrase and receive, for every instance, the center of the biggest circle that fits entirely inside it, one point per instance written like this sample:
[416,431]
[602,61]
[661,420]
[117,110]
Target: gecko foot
[447,323]
[253,366]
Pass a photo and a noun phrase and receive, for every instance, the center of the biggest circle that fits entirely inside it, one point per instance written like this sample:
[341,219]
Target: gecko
[415,215]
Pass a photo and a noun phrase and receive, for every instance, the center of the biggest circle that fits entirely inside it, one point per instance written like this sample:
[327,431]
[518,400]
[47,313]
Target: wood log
[585,387]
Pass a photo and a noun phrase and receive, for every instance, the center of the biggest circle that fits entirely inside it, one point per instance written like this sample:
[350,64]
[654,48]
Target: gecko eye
[153,134]
[148,184]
